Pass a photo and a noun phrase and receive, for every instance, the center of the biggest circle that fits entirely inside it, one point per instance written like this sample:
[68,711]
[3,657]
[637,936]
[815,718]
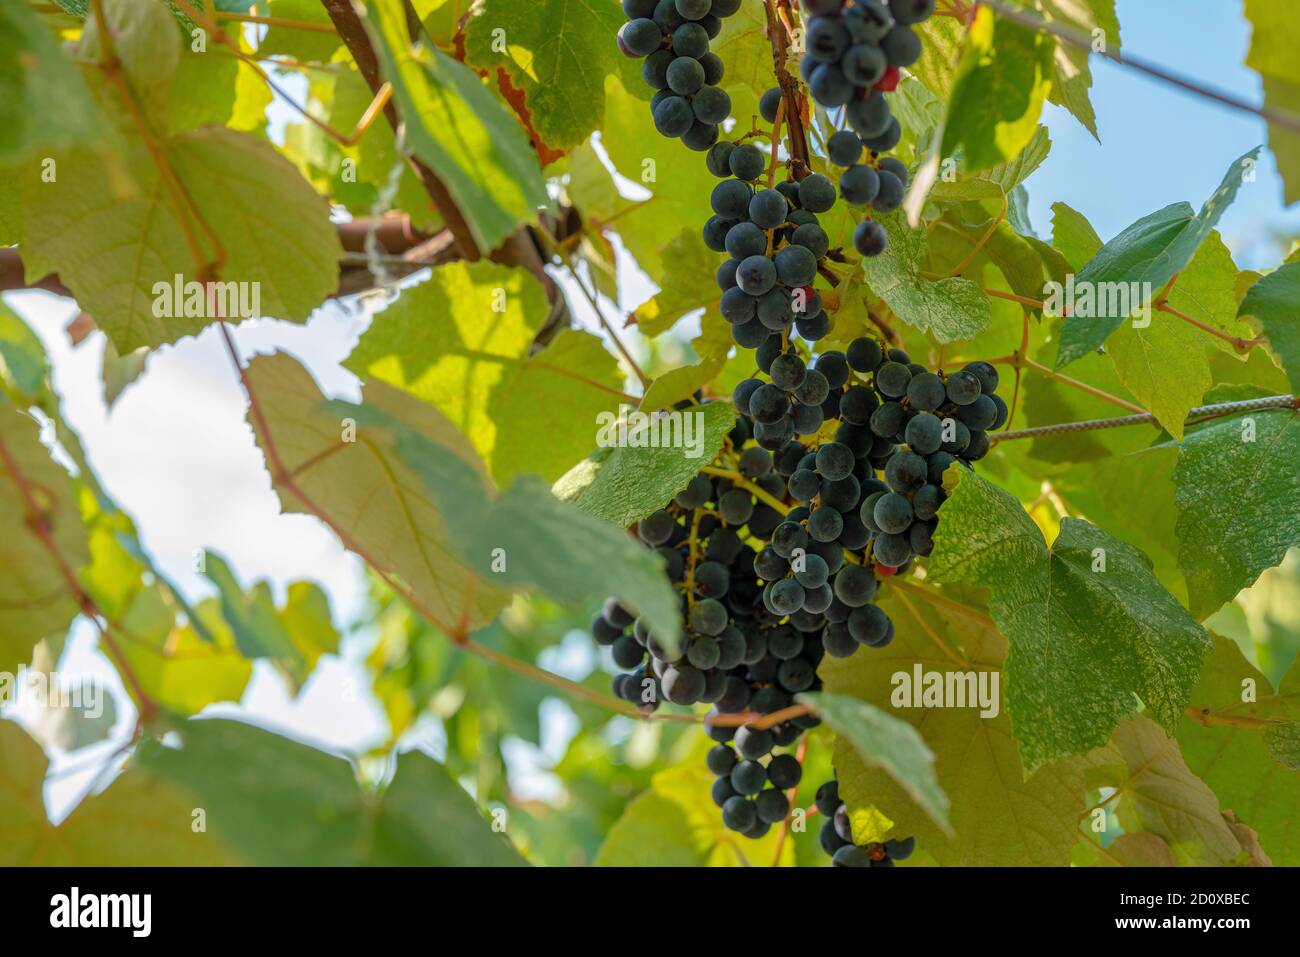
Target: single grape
[901,46]
[924,433]
[641,36]
[747,163]
[683,684]
[859,185]
[744,240]
[863,64]
[657,527]
[855,585]
[816,193]
[735,507]
[864,354]
[795,266]
[756,275]
[712,105]
[730,198]
[748,777]
[738,813]
[869,238]
[963,388]
[771,806]
[767,209]
[890,195]
[892,379]
[769,103]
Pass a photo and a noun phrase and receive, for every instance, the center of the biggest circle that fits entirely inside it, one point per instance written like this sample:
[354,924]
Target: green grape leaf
[524,412]
[1141,849]
[135,821]
[889,743]
[623,485]
[119,246]
[181,668]
[456,126]
[998,92]
[295,42]
[678,384]
[1274,301]
[689,283]
[674,824]
[746,58]
[293,637]
[1157,793]
[678,180]
[378,506]
[23,364]
[1073,236]
[949,309]
[1071,77]
[999,816]
[525,537]
[1087,621]
[38,518]
[1148,253]
[1273,42]
[273,801]
[45,102]
[147,45]
[216,88]
[1283,743]
[558,52]
[1235,759]
[1238,496]
[1164,365]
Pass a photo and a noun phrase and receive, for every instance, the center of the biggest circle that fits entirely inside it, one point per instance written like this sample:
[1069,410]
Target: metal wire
[1221,408]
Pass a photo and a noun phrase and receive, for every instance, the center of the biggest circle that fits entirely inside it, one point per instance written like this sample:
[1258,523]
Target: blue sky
[1159,144]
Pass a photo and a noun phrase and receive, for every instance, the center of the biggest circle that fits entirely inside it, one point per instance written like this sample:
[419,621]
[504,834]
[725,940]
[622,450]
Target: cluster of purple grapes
[673,36]
[854,52]
[837,836]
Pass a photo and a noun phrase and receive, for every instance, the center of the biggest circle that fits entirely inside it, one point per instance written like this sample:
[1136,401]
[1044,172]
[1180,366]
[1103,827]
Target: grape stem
[780,32]
[739,480]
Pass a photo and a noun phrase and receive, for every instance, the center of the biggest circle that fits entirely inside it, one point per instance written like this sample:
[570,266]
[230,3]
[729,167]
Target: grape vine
[777,549]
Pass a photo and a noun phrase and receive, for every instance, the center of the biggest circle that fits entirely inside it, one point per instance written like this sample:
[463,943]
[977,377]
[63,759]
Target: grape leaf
[1000,816]
[674,824]
[460,130]
[1273,42]
[135,821]
[524,537]
[1275,302]
[273,801]
[998,92]
[293,637]
[1141,849]
[1236,761]
[558,52]
[524,411]
[113,242]
[689,283]
[623,485]
[681,383]
[378,506]
[1071,77]
[295,42]
[889,743]
[1157,793]
[1087,621]
[45,102]
[146,44]
[678,180]
[949,309]
[1150,252]
[23,365]
[1073,235]
[1238,497]
[746,58]
[37,508]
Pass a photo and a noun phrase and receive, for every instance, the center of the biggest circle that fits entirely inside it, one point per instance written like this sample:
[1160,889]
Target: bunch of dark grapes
[854,51]
[775,244]
[673,36]
[837,836]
